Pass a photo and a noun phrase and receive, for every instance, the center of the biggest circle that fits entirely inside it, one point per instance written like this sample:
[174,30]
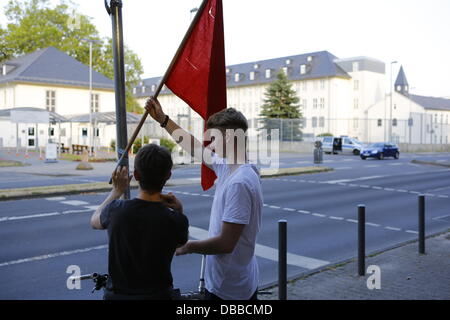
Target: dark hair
[228,118]
[153,163]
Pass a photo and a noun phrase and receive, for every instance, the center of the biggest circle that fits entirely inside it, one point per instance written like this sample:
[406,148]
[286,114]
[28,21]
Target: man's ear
[137,176]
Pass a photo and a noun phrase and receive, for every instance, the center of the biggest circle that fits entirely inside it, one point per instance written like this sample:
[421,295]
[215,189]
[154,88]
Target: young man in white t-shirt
[231,271]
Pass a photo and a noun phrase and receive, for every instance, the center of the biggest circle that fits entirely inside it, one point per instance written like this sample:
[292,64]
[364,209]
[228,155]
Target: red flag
[198,75]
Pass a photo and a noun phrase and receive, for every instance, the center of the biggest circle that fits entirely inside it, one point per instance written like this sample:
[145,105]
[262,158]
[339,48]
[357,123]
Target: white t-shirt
[238,199]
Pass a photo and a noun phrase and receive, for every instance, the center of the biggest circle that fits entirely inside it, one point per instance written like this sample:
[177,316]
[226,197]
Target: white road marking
[92,207]
[372,224]
[411,231]
[336,218]
[372,166]
[304,211]
[75,202]
[52,255]
[56,198]
[388,189]
[357,179]
[377,188]
[288,209]
[401,190]
[42,215]
[319,215]
[393,229]
[274,207]
[442,196]
[268,252]
[342,168]
[351,220]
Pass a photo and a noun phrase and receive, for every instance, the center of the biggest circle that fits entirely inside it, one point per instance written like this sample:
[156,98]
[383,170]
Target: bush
[326,134]
[112,144]
[169,144]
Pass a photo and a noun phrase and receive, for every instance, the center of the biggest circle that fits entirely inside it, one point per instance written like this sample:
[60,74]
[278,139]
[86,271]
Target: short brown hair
[154,164]
[228,118]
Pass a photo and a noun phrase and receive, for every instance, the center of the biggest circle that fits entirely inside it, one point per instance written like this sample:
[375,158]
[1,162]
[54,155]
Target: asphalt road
[41,237]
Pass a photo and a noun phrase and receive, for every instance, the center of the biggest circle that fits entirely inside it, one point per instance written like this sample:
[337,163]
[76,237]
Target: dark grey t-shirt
[143,236]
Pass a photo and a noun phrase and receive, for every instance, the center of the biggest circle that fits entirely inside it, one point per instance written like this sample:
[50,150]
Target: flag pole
[163,79]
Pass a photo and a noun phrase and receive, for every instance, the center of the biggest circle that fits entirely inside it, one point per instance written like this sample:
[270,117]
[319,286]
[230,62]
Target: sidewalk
[405,275]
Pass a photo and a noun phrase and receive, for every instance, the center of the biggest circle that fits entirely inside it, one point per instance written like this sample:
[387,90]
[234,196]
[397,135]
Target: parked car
[341,144]
[380,151]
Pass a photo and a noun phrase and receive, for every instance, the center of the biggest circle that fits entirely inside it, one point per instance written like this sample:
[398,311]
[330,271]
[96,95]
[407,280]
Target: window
[302,69]
[268,73]
[252,75]
[50,100]
[322,103]
[315,84]
[315,103]
[399,88]
[51,132]
[355,66]
[314,122]
[304,104]
[355,103]
[143,89]
[256,66]
[321,122]
[356,85]
[355,123]
[288,61]
[134,90]
[153,87]
[309,58]
[322,84]
[84,132]
[304,85]
[31,131]
[228,70]
[237,77]
[285,70]
[394,122]
[94,102]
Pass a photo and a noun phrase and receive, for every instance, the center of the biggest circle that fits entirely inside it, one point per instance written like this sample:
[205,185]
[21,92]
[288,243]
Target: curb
[432,163]
[339,263]
[37,192]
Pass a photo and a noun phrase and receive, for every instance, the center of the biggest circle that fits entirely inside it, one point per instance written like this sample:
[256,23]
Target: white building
[339,96]
[51,80]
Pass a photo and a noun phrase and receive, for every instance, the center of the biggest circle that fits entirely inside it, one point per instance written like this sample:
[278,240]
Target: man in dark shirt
[143,232]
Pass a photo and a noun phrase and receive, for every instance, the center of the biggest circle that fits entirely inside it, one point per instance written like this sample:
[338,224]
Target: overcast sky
[416,33]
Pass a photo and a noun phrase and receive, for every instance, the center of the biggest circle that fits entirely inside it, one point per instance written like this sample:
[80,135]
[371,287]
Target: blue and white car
[380,151]
[342,144]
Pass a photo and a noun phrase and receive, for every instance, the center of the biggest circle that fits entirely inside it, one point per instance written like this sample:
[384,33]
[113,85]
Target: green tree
[280,104]
[34,24]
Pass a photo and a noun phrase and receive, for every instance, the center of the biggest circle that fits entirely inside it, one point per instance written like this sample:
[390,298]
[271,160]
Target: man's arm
[120,182]
[189,143]
[224,243]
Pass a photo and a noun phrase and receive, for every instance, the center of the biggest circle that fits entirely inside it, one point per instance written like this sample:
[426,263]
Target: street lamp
[92,133]
[390,113]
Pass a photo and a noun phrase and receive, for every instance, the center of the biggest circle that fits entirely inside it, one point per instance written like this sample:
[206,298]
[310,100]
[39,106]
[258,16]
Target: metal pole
[421,224]
[282,259]
[91,133]
[119,81]
[361,239]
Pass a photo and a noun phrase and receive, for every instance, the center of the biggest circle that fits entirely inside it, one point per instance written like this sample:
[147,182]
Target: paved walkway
[404,275]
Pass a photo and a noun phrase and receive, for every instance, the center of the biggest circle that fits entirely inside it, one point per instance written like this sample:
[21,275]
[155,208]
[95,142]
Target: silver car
[343,144]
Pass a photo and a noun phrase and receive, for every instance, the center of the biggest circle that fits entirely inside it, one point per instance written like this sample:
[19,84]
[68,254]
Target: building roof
[53,116]
[401,78]
[431,103]
[317,65]
[52,66]
[104,117]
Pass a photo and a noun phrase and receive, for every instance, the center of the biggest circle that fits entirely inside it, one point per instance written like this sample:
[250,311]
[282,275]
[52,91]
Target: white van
[343,144]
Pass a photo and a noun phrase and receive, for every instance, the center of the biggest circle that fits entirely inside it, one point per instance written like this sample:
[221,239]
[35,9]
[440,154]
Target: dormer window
[228,70]
[256,66]
[355,66]
[406,88]
[252,75]
[153,87]
[288,61]
[237,77]
[134,90]
[143,89]
[302,69]
[285,70]
[399,88]
[309,58]
[268,73]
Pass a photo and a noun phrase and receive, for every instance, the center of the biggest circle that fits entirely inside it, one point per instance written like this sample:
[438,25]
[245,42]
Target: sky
[415,33]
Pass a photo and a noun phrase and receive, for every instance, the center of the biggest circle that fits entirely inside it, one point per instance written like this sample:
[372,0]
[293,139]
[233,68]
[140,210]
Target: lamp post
[91,129]
[390,112]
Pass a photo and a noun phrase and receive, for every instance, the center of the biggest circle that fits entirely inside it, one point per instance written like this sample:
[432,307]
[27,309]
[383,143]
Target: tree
[34,25]
[281,103]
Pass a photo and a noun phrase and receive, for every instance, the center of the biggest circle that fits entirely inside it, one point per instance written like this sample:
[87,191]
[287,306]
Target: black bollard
[361,239]
[421,224]
[282,259]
